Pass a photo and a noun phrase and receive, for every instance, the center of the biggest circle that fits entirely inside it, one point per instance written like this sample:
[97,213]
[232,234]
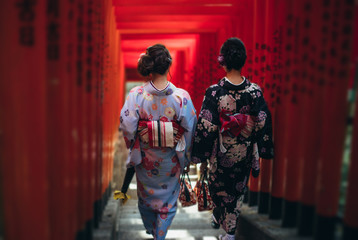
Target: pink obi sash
[159,133]
[236,124]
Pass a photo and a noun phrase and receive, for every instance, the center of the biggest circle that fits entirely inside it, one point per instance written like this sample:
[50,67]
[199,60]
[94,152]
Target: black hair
[157,59]
[232,54]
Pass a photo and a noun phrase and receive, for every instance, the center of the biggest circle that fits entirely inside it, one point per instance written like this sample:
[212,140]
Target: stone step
[199,234]
[187,224]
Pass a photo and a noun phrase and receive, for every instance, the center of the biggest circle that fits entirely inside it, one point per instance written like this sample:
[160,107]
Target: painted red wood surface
[312,126]
[295,104]
[351,208]
[24,171]
[57,82]
[62,84]
[280,124]
[334,110]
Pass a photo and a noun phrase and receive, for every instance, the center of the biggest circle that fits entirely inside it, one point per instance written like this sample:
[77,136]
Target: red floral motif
[147,164]
[128,143]
[199,189]
[174,170]
[175,158]
[164,119]
[141,190]
[182,195]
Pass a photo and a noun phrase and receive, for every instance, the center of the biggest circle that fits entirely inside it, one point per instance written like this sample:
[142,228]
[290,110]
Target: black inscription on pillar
[80,33]
[89,49]
[277,63]
[26,17]
[53,30]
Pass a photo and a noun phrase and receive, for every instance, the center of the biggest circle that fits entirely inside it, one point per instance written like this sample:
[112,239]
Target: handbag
[187,196]
[201,189]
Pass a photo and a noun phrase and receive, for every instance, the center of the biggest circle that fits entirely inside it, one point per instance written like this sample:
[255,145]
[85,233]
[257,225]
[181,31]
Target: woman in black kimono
[234,129]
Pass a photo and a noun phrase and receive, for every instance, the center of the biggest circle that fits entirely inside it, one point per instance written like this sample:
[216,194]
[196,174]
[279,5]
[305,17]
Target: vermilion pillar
[72,134]
[57,81]
[81,168]
[313,101]
[266,61]
[335,113]
[280,123]
[99,11]
[295,113]
[252,67]
[23,159]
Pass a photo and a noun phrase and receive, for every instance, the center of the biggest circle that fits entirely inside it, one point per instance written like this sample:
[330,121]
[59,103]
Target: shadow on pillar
[305,219]
[350,233]
[264,202]
[289,214]
[253,197]
[275,208]
[324,227]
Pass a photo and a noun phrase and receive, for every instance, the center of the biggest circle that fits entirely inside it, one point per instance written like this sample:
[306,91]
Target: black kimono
[234,129]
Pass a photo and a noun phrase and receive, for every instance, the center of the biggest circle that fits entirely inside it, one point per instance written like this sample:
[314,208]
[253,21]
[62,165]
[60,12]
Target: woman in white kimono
[158,121]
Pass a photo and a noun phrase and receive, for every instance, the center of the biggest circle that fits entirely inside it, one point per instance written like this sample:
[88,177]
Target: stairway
[188,224]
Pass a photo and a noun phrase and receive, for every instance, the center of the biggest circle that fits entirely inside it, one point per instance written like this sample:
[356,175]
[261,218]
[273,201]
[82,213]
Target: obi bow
[161,134]
[235,124]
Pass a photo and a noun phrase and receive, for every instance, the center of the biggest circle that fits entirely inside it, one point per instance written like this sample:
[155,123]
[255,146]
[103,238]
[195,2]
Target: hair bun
[145,65]
[156,60]
[234,54]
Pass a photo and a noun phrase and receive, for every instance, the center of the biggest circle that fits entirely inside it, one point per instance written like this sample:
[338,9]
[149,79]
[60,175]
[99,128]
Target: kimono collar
[225,83]
[168,90]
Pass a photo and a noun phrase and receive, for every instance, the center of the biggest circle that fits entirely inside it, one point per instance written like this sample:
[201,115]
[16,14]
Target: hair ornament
[140,56]
[221,59]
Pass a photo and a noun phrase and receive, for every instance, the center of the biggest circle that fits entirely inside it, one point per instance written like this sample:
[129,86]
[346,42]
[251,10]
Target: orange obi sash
[159,133]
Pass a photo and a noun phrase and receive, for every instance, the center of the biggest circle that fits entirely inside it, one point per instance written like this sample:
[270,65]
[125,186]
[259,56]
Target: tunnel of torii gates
[64,67]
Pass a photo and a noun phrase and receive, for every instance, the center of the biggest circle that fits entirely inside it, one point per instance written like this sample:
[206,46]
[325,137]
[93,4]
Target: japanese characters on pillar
[90,33]
[280,123]
[311,126]
[57,117]
[255,56]
[267,87]
[82,169]
[336,71]
[23,155]
[72,134]
[98,77]
[295,114]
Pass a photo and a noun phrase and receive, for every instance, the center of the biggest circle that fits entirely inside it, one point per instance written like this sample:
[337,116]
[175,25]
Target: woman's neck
[160,81]
[235,77]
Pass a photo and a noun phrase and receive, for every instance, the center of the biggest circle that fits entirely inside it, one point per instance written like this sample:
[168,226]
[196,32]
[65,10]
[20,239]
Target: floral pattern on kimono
[158,169]
[232,158]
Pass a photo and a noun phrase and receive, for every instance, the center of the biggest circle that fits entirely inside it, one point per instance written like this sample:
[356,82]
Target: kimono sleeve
[187,119]
[263,127]
[128,124]
[206,129]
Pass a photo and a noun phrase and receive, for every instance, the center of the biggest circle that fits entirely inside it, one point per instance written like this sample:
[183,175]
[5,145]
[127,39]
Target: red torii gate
[63,74]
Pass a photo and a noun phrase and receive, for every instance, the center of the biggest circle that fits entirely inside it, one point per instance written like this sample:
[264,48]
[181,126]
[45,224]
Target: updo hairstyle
[232,54]
[157,59]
